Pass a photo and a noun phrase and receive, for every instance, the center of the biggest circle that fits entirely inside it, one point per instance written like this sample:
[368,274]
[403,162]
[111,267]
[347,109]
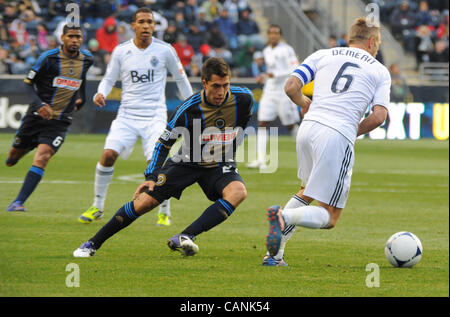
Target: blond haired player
[346,81]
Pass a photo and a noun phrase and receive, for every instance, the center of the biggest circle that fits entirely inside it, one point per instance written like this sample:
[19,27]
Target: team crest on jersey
[154,61]
[161,180]
[219,123]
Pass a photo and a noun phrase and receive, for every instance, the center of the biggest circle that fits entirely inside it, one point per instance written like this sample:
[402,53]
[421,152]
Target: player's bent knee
[235,193]
[109,157]
[242,194]
[42,159]
[144,203]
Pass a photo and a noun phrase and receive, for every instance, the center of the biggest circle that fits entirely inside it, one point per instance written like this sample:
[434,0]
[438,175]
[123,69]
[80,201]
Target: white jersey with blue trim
[280,61]
[143,73]
[346,81]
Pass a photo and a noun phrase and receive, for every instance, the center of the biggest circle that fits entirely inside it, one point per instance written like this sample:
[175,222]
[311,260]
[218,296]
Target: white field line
[403,172]
[355,186]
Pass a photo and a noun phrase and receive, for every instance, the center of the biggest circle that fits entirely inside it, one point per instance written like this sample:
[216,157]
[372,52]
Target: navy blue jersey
[59,80]
[210,133]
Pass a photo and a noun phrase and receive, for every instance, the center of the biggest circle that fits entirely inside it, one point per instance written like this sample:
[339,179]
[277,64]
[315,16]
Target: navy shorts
[175,177]
[34,131]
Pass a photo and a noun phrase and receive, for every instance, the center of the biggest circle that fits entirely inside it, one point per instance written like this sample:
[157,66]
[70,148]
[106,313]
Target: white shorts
[124,133]
[325,160]
[273,104]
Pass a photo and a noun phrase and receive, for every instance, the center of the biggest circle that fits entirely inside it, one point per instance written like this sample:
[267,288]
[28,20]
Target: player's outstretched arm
[374,120]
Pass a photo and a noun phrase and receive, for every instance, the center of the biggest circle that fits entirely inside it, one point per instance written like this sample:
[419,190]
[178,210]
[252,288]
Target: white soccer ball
[403,249]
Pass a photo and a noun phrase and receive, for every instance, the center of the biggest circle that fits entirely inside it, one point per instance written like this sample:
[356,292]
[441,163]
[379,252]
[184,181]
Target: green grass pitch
[396,186]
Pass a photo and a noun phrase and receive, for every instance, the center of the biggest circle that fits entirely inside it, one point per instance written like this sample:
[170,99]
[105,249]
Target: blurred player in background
[56,85]
[347,81]
[212,123]
[141,64]
[280,60]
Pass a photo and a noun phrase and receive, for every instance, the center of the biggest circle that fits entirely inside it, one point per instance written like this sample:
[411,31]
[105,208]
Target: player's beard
[145,38]
[73,50]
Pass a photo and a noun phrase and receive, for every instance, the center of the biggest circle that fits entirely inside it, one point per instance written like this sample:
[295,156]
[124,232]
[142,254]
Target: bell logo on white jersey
[141,78]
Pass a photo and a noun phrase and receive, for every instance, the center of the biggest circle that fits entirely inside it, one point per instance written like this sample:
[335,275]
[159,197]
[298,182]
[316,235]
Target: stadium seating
[33,26]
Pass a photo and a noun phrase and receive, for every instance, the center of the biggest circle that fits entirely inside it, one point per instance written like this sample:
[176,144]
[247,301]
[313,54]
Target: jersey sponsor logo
[136,77]
[219,137]
[67,83]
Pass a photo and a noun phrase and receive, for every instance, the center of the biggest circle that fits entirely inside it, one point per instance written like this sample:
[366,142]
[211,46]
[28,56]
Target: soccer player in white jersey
[280,60]
[141,64]
[346,81]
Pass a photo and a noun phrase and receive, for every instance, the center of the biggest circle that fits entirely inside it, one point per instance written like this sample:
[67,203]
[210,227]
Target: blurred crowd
[421,27]
[197,29]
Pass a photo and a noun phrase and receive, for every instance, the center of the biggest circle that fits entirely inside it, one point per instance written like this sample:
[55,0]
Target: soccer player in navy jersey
[212,123]
[56,85]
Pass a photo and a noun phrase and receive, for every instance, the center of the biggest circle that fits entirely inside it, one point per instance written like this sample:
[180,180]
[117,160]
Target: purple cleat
[183,243]
[86,250]
[16,206]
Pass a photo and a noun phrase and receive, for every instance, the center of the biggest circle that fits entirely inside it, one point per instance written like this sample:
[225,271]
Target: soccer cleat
[276,226]
[183,243]
[257,164]
[10,162]
[270,261]
[85,250]
[16,206]
[163,220]
[91,214]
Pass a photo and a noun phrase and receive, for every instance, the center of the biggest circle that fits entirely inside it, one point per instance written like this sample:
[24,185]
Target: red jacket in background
[185,53]
[108,41]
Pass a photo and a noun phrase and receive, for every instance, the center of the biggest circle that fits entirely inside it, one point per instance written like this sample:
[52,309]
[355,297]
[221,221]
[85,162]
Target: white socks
[313,217]
[294,202]
[297,212]
[261,144]
[103,177]
[164,207]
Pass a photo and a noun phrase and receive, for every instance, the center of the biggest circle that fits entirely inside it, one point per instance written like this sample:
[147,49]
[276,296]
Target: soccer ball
[403,249]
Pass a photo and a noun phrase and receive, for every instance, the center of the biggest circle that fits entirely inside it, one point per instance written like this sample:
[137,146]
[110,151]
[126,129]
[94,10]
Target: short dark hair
[215,66]
[140,10]
[275,26]
[68,27]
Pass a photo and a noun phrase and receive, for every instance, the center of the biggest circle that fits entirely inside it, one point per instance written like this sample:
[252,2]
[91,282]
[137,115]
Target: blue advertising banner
[426,117]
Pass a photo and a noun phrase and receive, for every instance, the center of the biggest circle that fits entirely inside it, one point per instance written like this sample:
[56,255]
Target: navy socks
[123,218]
[30,183]
[211,217]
